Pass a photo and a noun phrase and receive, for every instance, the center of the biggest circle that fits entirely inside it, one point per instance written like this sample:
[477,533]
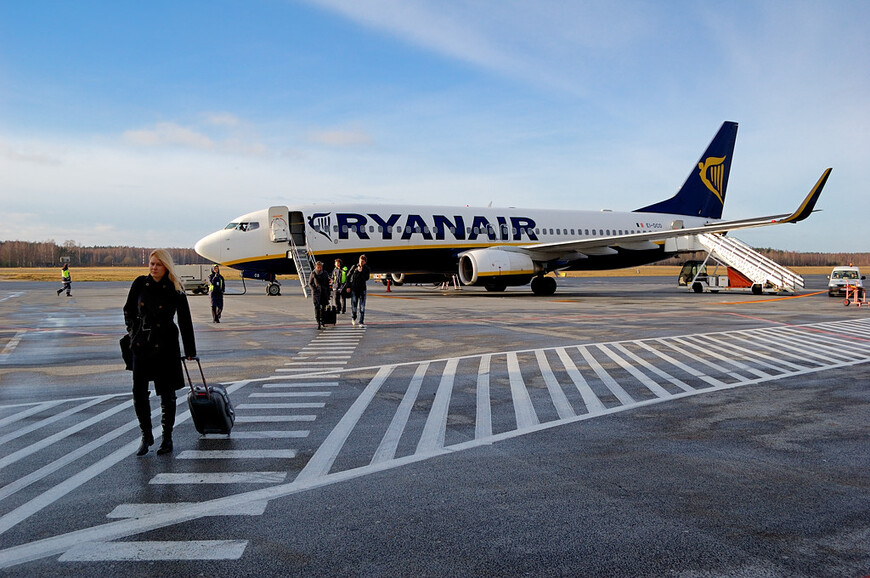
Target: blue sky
[155,123]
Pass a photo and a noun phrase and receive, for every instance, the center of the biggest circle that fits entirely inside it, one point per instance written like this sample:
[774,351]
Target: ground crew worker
[339,280]
[319,283]
[67,281]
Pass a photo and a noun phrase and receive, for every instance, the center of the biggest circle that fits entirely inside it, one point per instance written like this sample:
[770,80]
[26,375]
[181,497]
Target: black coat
[148,315]
[216,280]
[357,279]
[319,283]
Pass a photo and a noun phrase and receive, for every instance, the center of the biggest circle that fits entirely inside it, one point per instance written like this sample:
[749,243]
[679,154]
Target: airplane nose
[209,247]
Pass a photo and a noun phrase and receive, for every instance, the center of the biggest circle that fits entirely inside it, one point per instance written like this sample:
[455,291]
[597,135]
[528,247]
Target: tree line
[50,254]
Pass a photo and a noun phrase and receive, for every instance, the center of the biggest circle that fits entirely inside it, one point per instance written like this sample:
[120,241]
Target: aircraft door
[297,228]
[279,224]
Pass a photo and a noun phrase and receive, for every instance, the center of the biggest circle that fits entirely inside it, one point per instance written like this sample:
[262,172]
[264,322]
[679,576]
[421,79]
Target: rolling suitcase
[210,406]
[329,315]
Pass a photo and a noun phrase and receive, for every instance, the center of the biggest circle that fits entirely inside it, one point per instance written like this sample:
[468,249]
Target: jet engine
[495,269]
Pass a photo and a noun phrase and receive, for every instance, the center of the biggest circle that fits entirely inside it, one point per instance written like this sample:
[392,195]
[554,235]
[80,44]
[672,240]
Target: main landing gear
[543,286]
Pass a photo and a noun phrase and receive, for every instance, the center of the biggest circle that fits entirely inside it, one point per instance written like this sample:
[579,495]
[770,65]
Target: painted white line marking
[307,370]
[260,435]
[560,401]
[309,363]
[523,408]
[387,448]
[434,431]
[322,460]
[29,412]
[691,371]
[654,387]
[50,420]
[483,421]
[707,348]
[155,551]
[220,478]
[672,344]
[605,378]
[293,394]
[590,400]
[772,362]
[273,418]
[13,343]
[301,405]
[237,454]
[124,511]
[46,442]
[652,368]
[312,384]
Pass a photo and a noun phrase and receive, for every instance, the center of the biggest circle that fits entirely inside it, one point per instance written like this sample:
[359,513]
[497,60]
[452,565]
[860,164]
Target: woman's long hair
[164,257]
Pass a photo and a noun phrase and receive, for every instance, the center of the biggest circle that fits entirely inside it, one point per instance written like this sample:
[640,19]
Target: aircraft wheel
[273,289]
[543,286]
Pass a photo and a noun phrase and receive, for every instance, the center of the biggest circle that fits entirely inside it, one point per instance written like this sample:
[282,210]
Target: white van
[842,276]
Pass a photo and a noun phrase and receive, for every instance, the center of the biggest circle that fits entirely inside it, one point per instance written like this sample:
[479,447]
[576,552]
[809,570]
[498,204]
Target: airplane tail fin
[703,193]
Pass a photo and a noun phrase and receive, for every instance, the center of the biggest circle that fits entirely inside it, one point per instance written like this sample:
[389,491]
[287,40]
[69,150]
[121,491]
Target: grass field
[85,274]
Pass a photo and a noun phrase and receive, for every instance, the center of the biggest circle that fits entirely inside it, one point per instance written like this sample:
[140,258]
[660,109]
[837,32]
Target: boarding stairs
[758,268]
[302,260]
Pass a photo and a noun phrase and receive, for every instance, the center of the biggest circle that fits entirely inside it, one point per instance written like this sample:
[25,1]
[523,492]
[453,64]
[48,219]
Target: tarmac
[622,427]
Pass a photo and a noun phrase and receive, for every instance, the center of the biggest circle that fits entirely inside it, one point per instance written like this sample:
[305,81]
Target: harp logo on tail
[711,172]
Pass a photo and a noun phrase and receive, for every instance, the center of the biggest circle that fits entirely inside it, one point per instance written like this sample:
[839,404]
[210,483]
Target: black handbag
[126,352]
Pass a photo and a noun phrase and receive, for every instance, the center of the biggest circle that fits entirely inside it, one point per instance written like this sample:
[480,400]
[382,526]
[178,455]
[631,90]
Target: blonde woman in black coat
[154,300]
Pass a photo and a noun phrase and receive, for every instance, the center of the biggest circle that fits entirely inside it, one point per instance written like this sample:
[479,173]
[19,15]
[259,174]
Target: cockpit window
[243,226]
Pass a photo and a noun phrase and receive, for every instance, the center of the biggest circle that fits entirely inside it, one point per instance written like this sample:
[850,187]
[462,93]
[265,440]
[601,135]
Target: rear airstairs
[764,273]
[302,260]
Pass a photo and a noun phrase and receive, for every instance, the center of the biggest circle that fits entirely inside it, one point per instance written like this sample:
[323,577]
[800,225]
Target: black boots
[147,441]
[143,413]
[167,420]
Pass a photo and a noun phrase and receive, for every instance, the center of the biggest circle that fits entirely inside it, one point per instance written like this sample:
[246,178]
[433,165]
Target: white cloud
[168,133]
[339,138]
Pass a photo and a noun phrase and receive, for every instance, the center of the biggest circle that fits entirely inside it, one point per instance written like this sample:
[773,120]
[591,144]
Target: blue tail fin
[703,193]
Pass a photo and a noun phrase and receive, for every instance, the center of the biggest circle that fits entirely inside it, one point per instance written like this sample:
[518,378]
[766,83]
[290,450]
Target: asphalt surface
[622,427]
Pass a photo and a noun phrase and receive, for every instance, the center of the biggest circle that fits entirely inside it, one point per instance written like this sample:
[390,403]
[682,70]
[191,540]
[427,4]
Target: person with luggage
[357,281]
[152,304]
[66,279]
[216,286]
[319,283]
[339,280]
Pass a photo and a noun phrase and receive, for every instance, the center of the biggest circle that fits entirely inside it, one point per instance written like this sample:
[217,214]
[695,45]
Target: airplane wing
[645,241]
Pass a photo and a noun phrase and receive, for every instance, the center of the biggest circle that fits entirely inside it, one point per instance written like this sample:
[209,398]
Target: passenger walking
[319,283]
[66,278]
[357,281]
[154,300]
[216,286]
[339,280]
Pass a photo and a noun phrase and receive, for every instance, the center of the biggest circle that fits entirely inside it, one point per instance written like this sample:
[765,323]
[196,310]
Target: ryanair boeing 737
[491,247]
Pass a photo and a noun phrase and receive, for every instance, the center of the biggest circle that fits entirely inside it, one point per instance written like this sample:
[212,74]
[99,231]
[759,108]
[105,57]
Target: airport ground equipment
[302,260]
[210,406]
[763,273]
[842,277]
[194,278]
[855,295]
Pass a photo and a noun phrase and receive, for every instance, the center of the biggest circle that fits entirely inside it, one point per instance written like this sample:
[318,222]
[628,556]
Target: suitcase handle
[190,381]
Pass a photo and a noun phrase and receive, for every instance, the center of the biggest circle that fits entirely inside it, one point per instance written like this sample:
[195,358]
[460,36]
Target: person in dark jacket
[319,283]
[154,300]
[339,280]
[357,280]
[216,283]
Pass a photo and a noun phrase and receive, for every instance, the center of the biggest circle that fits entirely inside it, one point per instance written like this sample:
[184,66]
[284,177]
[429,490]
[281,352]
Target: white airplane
[492,247]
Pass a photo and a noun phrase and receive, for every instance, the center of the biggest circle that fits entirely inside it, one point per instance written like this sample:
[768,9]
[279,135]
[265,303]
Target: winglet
[806,208]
